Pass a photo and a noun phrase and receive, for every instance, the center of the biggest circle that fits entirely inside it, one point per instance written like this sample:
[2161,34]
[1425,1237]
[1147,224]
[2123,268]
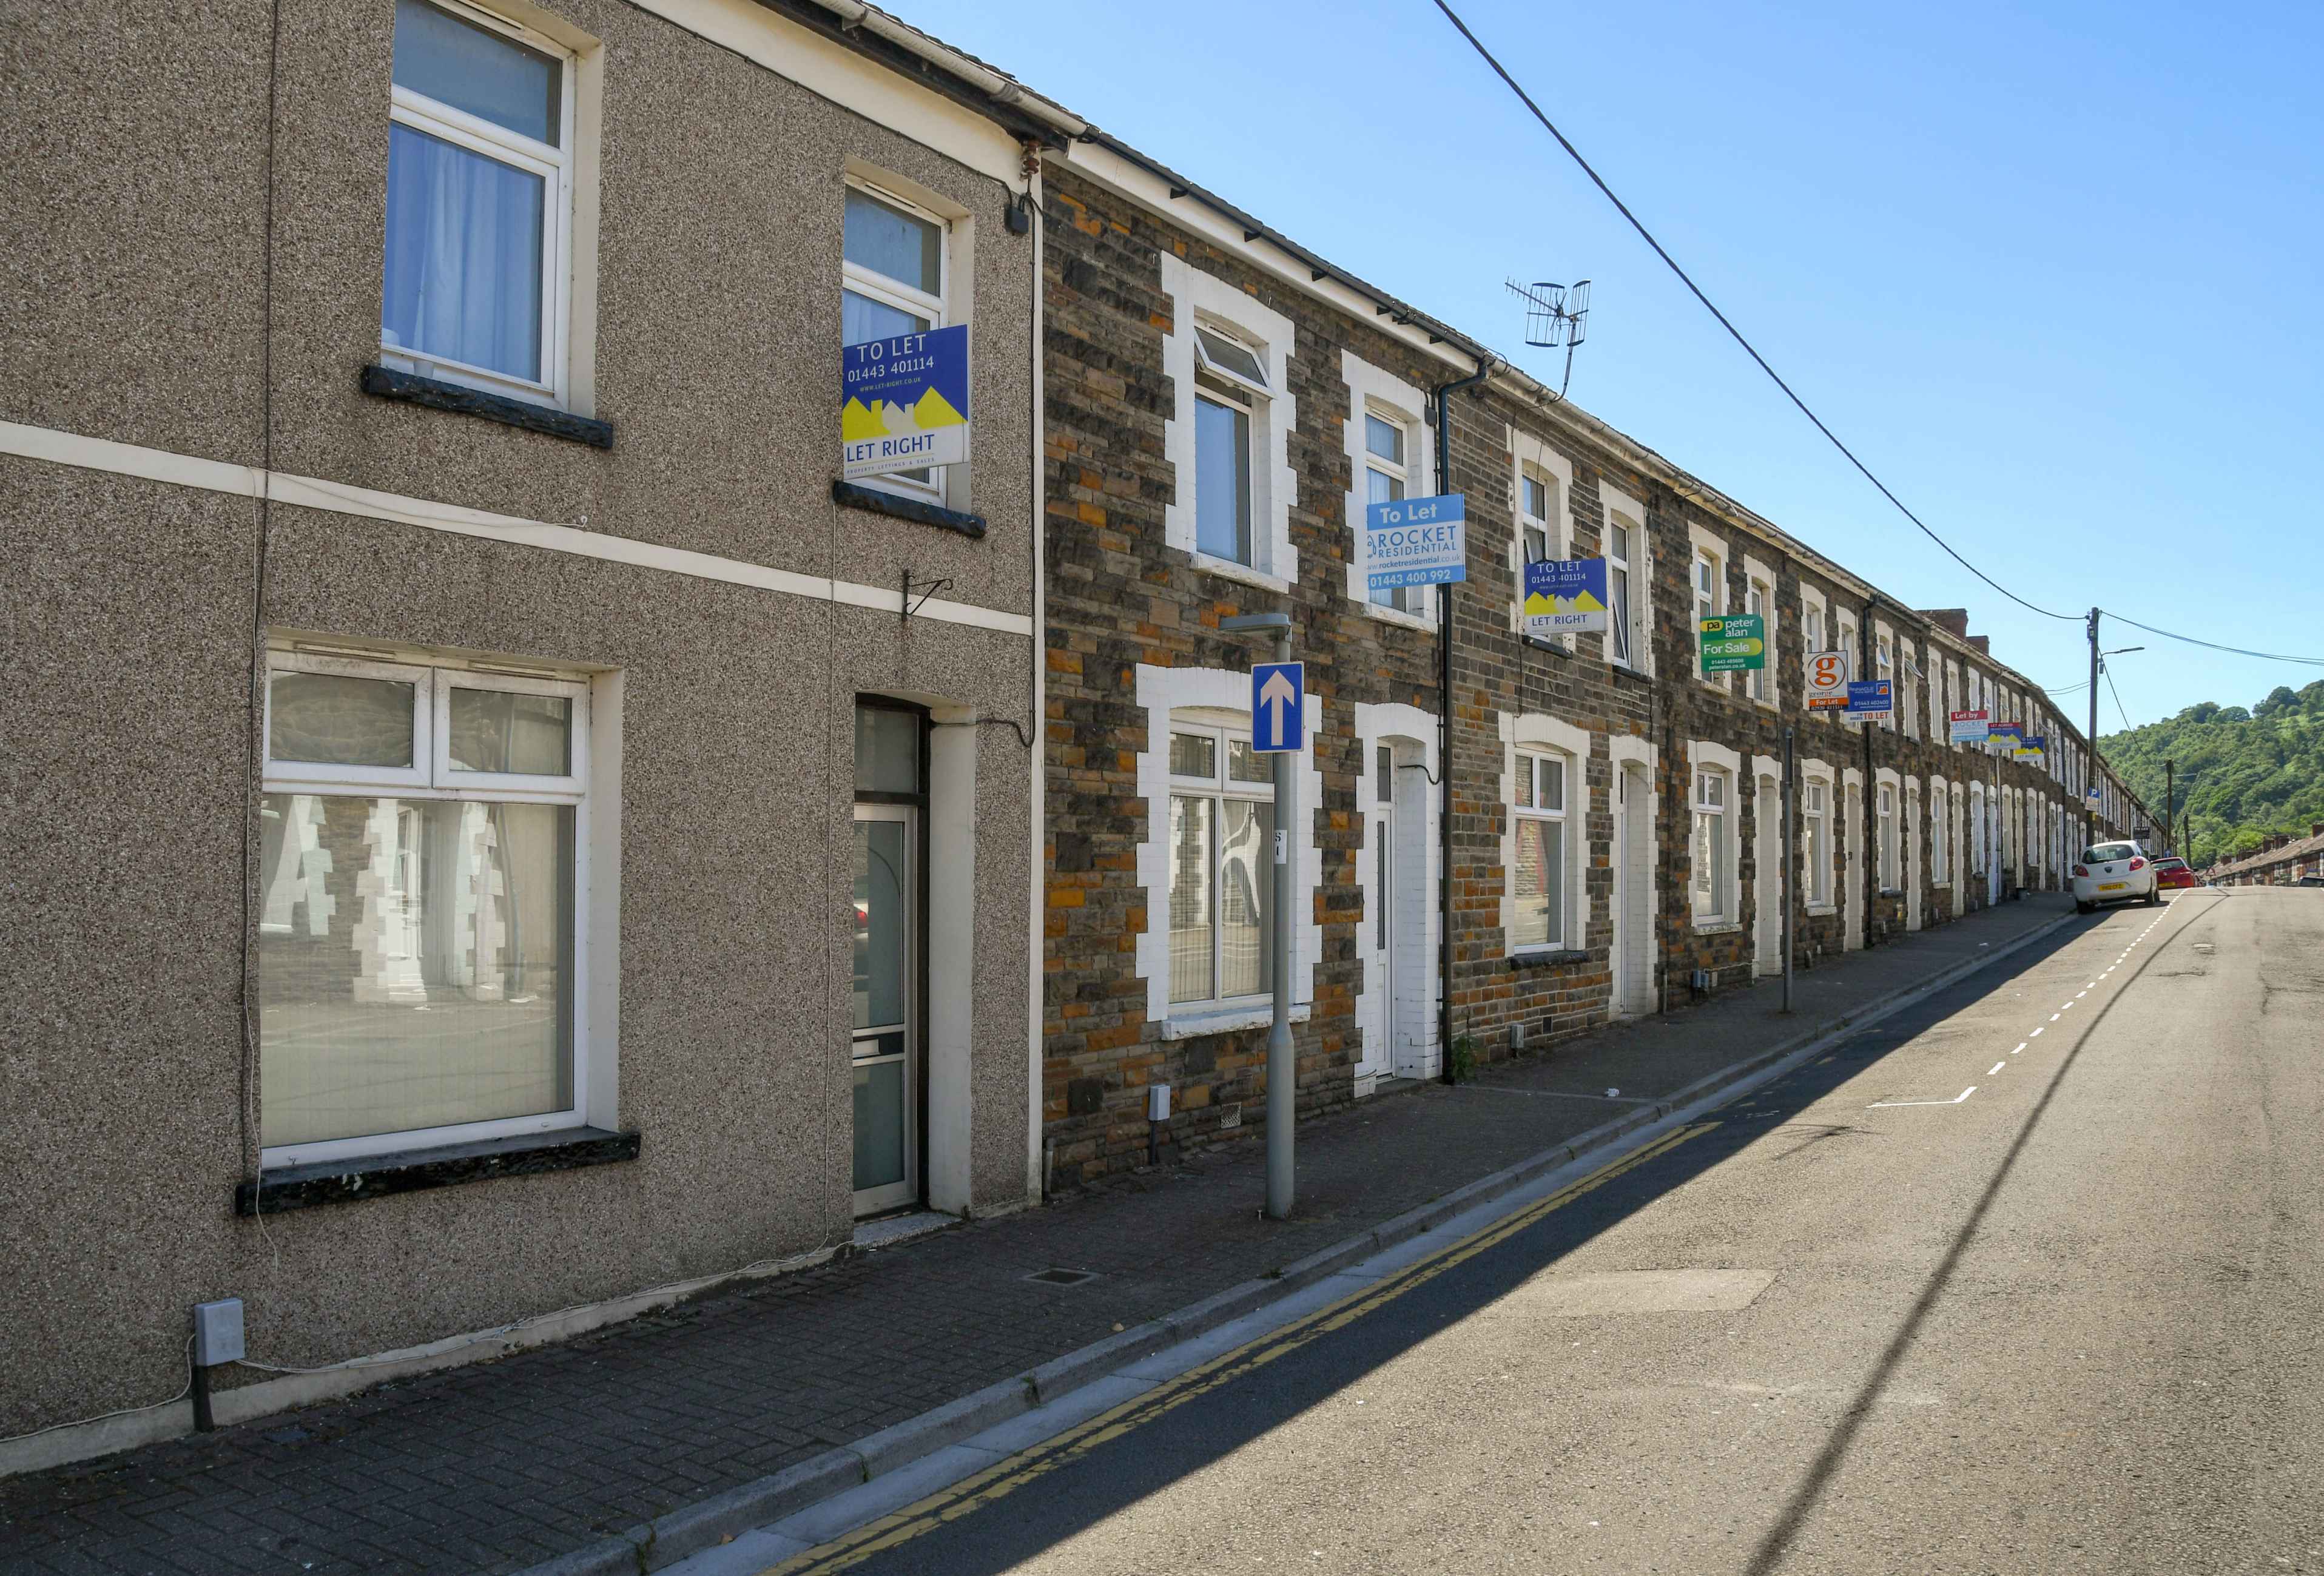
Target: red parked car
[2171,874]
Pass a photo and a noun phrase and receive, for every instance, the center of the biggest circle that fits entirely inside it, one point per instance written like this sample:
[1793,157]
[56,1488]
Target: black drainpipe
[1444,737]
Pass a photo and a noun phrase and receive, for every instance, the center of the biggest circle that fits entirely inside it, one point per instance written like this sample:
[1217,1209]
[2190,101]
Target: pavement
[670,1428]
[2023,1277]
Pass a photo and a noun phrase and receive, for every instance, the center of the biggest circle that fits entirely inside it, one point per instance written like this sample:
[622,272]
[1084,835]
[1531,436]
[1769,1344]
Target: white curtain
[464,254]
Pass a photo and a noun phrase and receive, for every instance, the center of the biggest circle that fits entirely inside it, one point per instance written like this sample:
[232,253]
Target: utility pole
[1871,851]
[2170,805]
[2090,822]
[1282,1063]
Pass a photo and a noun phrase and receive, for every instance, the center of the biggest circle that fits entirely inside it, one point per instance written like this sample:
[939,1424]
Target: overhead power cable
[2214,645]
[2120,710]
[1736,333]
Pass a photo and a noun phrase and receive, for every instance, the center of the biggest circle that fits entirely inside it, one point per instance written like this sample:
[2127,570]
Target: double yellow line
[1002,1477]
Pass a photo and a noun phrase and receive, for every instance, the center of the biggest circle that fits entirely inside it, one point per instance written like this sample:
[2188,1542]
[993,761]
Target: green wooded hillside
[2243,774]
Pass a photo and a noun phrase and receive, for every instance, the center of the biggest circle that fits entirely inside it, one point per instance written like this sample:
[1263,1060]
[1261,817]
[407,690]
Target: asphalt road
[2071,1321]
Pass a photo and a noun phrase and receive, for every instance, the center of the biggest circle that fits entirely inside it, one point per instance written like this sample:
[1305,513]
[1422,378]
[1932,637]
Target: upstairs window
[1622,628]
[1221,866]
[1756,601]
[1533,516]
[1385,481]
[479,200]
[891,283]
[1709,587]
[1230,393]
[1539,877]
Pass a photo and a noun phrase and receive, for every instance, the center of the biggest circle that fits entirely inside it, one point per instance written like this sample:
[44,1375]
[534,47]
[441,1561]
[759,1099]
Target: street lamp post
[1281,1065]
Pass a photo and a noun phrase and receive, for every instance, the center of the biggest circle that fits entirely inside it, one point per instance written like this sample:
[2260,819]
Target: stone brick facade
[1133,607]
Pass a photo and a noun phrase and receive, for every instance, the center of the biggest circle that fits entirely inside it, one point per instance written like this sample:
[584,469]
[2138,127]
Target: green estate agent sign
[1734,645]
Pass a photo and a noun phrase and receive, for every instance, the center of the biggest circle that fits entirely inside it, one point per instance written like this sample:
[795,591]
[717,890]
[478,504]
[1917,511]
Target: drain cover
[1062,1277]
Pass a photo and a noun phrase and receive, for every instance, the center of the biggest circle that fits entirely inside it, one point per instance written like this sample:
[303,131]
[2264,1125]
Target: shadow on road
[1031,1503]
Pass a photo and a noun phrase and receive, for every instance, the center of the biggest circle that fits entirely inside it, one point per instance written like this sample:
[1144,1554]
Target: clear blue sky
[2052,269]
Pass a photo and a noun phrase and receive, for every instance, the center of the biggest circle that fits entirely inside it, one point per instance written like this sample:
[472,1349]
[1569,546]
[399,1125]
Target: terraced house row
[503,817]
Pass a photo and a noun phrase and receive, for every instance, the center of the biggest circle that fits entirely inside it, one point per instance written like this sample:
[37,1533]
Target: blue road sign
[1279,699]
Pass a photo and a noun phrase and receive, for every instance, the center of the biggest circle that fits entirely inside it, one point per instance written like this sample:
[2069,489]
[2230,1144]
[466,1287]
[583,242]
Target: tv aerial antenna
[1555,315]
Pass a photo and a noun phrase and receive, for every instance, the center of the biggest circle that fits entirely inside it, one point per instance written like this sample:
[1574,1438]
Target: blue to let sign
[1278,699]
[1870,697]
[904,403]
[1565,597]
[1417,542]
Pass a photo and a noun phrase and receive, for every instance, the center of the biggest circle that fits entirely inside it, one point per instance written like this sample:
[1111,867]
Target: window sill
[1623,670]
[1540,960]
[1892,891]
[1187,1026]
[1820,910]
[1554,647]
[327,1182]
[1717,926]
[1401,619]
[1228,569]
[459,398]
[879,500]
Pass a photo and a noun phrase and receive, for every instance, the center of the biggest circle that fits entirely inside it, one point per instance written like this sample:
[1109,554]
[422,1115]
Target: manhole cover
[1062,1277]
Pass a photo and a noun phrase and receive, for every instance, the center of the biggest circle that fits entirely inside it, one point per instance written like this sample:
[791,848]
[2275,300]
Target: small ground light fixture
[1555,315]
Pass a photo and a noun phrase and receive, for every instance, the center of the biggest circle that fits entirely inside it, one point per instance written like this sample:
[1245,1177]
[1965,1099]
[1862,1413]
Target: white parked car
[2114,872]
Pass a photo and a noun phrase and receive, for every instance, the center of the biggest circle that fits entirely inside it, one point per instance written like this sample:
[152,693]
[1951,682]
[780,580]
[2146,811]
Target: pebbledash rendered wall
[697,574]
[1126,605]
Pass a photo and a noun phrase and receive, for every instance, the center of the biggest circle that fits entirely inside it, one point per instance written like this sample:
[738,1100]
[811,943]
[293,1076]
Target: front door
[1379,943]
[1634,872]
[887,1020]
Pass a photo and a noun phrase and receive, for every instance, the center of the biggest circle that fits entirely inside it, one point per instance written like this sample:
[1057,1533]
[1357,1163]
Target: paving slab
[637,1421]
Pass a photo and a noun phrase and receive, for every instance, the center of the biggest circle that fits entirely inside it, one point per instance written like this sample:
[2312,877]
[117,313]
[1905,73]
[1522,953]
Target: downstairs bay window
[1221,867]
[418,946]
[1539,877]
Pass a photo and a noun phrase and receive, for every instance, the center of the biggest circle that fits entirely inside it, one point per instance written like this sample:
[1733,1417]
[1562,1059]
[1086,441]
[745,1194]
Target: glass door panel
[886,920]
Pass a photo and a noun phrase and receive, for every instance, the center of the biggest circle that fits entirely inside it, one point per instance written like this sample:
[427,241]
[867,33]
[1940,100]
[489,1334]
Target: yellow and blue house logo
[904,403]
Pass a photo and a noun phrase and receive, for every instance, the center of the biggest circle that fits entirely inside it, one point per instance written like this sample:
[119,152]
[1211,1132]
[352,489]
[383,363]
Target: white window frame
[1816,829]
[1637,649]
[432,778]
[1528,762]
[1891,879]
[437,119]
[1760,598]
[1722,817]
[1418,602]
[904,297]
[1885,666]
[1848,635]
[1536,462]
[1940,860]
[1220,786]
[1200,300]
[1706,601]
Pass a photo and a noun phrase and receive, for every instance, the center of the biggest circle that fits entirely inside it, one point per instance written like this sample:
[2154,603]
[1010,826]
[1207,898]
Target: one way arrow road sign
[1278,699]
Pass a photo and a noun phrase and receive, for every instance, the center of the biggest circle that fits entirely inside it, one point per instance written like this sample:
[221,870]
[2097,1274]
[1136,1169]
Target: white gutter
[1000,88]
